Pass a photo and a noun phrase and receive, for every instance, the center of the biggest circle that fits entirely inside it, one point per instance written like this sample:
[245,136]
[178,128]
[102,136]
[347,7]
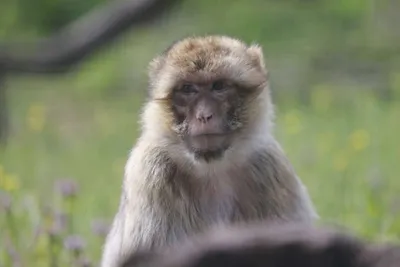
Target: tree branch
[82,37]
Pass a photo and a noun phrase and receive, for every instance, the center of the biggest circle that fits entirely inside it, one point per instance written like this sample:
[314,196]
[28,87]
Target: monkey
[270,246]
[206,154]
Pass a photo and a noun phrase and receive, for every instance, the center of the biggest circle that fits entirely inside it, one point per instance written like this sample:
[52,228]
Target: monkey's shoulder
[150,161]
[267,170]
[269,158]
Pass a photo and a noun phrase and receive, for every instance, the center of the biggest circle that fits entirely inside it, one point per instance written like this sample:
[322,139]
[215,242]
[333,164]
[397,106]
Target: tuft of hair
[206,58]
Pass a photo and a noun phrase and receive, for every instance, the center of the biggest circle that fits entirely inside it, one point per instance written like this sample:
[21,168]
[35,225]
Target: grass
[61,173]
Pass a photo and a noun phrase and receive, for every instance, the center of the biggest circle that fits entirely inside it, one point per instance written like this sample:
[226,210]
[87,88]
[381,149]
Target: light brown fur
[168,194]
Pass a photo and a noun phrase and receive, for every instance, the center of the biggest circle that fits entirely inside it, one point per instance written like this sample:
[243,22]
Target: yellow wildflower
[9,182]
[41,247]
[325,143]
[359,139]
[2,173]
[293,122]
[36,117]
[2,176]
[321,98]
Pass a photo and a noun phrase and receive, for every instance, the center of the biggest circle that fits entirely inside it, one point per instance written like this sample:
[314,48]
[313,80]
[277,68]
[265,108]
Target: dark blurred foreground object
[76,41]
[272,246]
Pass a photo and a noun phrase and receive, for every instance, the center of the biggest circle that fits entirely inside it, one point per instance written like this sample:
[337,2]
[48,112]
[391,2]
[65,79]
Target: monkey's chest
[216,210]
[196,215]
[210,206]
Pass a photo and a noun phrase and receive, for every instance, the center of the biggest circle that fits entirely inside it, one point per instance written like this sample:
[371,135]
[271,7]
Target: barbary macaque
[270,246]
[206,155]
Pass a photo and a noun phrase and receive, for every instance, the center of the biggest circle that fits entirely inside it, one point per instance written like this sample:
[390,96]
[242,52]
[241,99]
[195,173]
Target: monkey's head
[207,92]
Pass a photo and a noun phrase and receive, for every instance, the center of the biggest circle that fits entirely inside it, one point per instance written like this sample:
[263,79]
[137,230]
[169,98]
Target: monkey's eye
[218,86]
[188,89]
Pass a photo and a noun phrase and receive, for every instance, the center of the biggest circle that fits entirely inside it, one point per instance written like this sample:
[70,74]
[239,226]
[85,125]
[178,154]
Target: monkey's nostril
[204,118]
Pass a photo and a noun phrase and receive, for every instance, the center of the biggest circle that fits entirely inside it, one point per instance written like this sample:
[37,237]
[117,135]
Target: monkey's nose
[204,118]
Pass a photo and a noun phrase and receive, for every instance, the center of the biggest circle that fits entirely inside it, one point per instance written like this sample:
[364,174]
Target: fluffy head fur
[206,58]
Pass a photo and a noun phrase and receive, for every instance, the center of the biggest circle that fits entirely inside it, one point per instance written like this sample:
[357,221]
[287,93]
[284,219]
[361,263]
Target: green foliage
[50,15]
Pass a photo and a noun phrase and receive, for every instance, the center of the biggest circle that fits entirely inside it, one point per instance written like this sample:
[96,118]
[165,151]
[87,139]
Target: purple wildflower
[84,262]
[59,224]
[100,227]
[5,201]
[12,252]
[67,187]
[74,243]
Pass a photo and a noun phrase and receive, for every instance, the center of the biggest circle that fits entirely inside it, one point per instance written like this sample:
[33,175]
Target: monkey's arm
[140,221]
[134,227]
[113,243]
[284,191]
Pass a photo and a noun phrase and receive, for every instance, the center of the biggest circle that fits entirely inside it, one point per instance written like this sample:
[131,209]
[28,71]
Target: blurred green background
[335,75]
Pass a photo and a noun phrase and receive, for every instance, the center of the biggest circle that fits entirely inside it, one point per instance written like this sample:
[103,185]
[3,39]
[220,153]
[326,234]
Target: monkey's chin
[208,147]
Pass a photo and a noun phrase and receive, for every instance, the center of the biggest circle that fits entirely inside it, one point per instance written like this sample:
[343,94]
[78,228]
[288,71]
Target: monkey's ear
[256,54]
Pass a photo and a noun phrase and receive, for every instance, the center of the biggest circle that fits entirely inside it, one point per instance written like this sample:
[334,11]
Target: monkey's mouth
[208,145]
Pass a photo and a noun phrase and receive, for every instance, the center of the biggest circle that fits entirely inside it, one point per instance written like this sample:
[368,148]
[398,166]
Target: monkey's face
[206,116]
[206,87]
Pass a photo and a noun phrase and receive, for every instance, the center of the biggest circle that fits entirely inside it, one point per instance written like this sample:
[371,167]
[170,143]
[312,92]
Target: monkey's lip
[205,135]
[208,142]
